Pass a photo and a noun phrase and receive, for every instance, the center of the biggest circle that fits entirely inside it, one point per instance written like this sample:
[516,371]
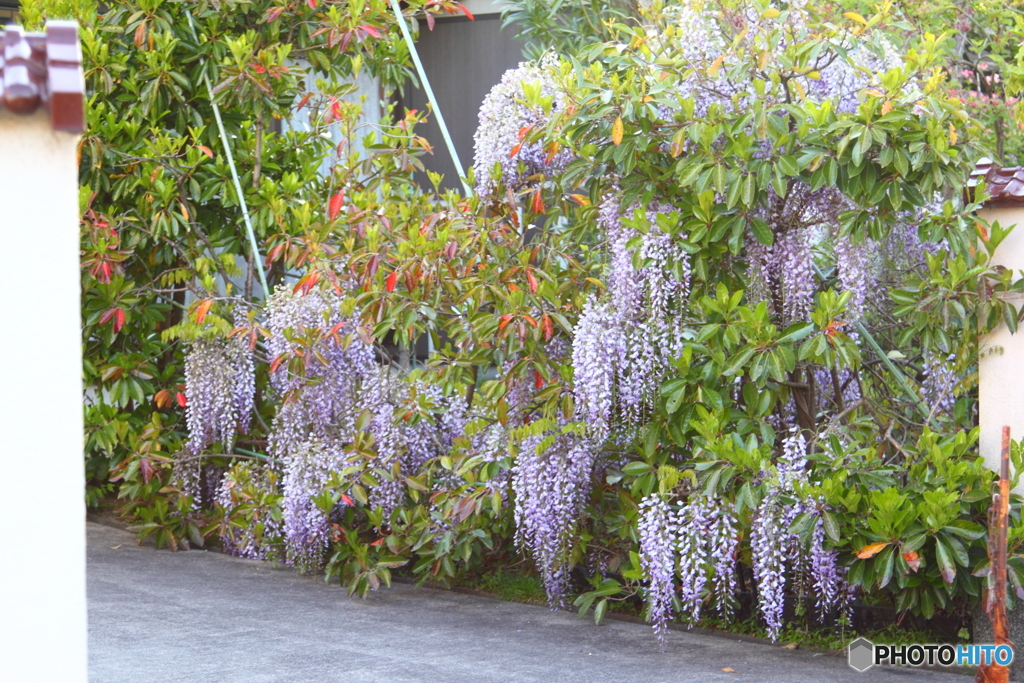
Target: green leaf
[831,526]
[796,332]
[762,232]
[944,558]
[600,610]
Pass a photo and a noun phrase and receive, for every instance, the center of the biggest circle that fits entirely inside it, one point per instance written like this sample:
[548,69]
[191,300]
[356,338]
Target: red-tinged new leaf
[552,151]
[549,328]
[273,254]
[107,315]
[515,150]
[580,199]
[913,560]
[140,34]
[469,15]
[530,320]
[538,379]
[304,101]
[273,14]
[307,282]
[347,500]
[205,150]
[162,398]
[311,4]
[532,281]
[181,399]
[391,281]
[277,363]
[430,21]
[147,469]
[334,330]
[537,205]
[523,132]
[504,321]
[334,206]
[371,30]
[118,320]
[377,542]
[203,309]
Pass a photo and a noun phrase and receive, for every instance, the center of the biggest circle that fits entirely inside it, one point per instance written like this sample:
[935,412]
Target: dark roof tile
[44,70]
[1003,184]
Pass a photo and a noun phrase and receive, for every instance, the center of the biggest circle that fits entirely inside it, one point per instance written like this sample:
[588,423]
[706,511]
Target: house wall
[1001,363]
[463,59]
[8,11]
[42,580]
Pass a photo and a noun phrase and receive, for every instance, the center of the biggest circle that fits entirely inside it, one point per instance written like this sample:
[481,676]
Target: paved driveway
[203,617]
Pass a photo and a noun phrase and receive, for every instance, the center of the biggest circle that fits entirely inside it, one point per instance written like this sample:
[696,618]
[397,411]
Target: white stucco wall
[1001,366]
[42,537]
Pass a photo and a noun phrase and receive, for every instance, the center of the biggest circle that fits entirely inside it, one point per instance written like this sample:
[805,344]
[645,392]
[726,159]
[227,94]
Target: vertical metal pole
[430,95]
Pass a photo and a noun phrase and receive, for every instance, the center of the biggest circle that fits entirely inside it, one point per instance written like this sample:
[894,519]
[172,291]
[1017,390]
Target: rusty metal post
[999,515]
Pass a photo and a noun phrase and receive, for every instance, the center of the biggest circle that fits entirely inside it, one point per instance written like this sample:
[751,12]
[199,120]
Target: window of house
[8,12]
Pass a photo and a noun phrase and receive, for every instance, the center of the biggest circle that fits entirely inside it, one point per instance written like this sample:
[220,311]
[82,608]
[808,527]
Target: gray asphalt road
[199,617]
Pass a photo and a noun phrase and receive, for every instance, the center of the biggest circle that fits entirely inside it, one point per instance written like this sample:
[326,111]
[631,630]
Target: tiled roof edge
[44,71]
[1004,185]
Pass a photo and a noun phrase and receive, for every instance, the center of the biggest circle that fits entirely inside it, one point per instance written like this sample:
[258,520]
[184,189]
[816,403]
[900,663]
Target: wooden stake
[998,516]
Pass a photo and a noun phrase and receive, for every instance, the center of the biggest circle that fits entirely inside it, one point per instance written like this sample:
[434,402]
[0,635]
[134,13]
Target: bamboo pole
[256,259]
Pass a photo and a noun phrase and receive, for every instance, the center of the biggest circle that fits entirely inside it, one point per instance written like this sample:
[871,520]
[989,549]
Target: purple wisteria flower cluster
[856,275]
[939,381]
[696,545]
[322,401]
[658,560]
[623,347]
[551,480]
[220,386]
[504,116]
[338,380]
[775,547]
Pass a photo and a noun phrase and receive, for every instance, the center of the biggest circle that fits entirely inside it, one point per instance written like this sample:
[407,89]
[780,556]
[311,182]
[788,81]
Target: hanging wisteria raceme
[323,400]
[220,386]
[939,381]
[698,545]
[795,265]
[625,287]
[853,262]
[776,548]
[551,479]
[505,118]
[694,527]
[307,525]
[768,540]
[724,546]
[658,541]
[598,340]
[824,568]
[623,348]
